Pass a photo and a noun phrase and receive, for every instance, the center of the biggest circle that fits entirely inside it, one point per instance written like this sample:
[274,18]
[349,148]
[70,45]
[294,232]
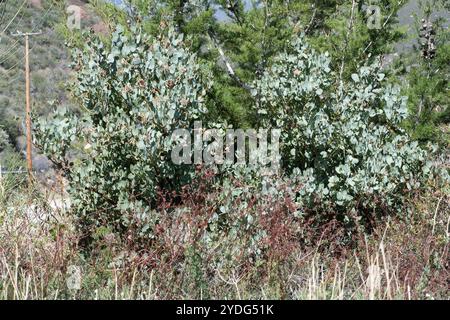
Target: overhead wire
[14,17]
[3,12]
[21,60]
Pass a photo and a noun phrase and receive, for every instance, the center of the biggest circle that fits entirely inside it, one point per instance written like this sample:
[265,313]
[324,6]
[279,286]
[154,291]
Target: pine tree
[427,80]
[238,50]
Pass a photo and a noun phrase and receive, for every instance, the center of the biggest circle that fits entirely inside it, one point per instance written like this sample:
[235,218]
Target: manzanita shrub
[133,93]
[341,139]
[341,143]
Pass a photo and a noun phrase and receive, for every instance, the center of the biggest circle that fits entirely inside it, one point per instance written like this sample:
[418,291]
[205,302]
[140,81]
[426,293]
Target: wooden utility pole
[27,98]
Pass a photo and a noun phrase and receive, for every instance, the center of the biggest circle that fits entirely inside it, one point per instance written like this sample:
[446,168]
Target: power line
[18,23]
[3,12]
[32,47]
[10,52]
[43,17]
[11,21]
[14,45]
[15,65]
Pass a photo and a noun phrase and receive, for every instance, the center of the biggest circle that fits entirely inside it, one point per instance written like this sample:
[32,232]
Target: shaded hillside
[49,60]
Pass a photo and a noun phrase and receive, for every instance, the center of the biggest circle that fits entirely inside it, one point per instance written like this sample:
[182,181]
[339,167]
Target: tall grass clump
[356,211]
[213,246]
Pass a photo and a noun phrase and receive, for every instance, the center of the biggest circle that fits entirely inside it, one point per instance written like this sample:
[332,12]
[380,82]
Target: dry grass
[402,259]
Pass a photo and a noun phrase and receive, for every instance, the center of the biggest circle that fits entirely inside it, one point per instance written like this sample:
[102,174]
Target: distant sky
[219,14]
[405,14]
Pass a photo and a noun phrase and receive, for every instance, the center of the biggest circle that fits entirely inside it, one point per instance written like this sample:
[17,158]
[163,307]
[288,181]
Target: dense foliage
[134,93]
[342,139]
[354,209]
[426,72]
[237,40]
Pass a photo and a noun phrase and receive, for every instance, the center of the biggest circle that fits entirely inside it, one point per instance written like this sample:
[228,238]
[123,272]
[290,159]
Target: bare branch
[313,17]
[228,65]
[350,28]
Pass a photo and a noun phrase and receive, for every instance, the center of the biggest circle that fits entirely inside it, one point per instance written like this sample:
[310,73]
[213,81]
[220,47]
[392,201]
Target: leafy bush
[135,93]
[341,140]
[427,91]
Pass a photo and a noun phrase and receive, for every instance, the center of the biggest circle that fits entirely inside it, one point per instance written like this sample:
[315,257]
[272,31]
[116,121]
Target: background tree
[426,71]
[239,48]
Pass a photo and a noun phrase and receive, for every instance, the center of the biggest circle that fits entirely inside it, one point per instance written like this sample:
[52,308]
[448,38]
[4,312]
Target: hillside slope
[49,62]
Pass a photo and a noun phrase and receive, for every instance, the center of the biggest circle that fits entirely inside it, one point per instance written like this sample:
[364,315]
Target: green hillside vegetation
[357,207]
[426,70]
[49,61]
